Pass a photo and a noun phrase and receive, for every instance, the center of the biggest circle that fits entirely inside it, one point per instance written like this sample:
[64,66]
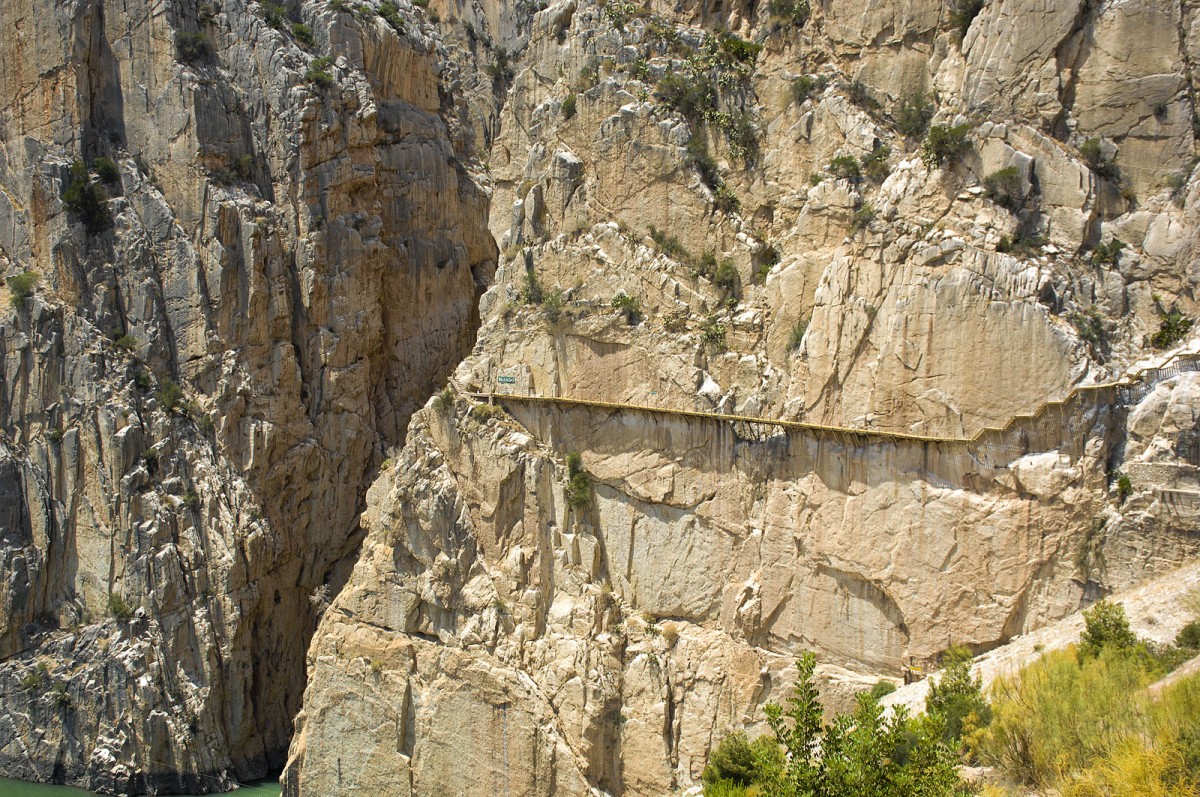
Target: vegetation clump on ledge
[858,753]
[86,200]
[1081,723]
[21,287]
[578,490]
[945,145]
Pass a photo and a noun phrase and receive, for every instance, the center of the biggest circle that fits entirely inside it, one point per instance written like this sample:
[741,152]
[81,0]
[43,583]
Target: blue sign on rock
[506,380]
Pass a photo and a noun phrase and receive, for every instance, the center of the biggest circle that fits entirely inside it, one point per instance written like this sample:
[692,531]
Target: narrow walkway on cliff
[1129,390]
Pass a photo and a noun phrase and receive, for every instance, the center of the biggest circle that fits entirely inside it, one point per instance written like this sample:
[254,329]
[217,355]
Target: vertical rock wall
[194,397]
[781,246]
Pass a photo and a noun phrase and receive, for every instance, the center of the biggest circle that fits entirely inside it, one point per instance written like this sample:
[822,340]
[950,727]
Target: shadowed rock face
[494,637]
[302,261]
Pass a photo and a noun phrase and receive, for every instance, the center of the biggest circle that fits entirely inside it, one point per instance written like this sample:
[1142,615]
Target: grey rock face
[195,396]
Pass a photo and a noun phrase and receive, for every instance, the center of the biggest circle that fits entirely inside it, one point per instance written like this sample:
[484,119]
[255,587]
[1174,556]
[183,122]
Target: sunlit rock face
[499,634]
[212,365]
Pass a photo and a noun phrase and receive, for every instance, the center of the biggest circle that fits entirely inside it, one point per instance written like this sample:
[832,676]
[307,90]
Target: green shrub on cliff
[945,145]
[117,607]
[579,485]
[21,287]
[859,753]
[86,200]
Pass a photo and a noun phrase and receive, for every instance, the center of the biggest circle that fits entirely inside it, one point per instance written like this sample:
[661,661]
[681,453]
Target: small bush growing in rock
[36,677]
[391,15]
[1090,326]
[169,394]
[795,12]
[589,77]
[552,304]
[669,245]
[713,333]
[861,96]
[568,106]
[1004,188]
[532,292]
[862,217]
[1172,328]
[318,72]
[106,170]
[742,135]
[726,276]
[276,16]
[579,485]
[1093,155]
[913,114]
[1107,253]
[738,48]
[485,412]
[945,145]
[875,164]
[806,86]
[61,697]
[1124,487]
[193,48]
[627,306]
[303,34]
[21,287]
[444,402]
[87,200]
[690,96]
[500,70]
[765,259]
[796,336]
[1025,245]
[705,163]
[117,607]
[845,167]
[725,201]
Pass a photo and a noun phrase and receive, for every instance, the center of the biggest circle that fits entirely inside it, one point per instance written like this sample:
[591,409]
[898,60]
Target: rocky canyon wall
[247,242]
[268,255]
[733,209]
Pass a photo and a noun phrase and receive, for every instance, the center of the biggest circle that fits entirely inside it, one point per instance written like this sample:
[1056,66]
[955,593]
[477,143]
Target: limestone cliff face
[497,637]
[213,363]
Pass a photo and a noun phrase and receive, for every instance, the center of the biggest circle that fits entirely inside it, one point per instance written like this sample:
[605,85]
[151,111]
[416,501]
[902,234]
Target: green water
[19,788]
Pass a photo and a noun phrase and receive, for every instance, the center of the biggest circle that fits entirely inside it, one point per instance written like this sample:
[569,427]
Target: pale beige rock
[669,610]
